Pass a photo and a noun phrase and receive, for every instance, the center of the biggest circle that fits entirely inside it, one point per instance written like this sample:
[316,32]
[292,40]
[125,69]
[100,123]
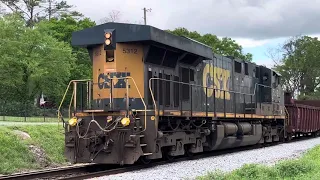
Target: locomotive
[157,95]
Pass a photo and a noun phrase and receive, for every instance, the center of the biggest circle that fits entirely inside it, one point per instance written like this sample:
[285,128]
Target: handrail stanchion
[235,104]
[206,101]
[127,96]
[244,105]
[75,97]
[224,102]
[70,104]
[251,109]
[190,100]
[111,94]
[214,103]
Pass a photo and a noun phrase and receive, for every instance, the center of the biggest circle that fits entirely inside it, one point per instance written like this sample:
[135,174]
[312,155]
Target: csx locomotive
[157,95]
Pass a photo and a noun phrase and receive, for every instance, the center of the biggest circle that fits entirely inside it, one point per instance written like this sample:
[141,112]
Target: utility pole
[50,10]
[145,14]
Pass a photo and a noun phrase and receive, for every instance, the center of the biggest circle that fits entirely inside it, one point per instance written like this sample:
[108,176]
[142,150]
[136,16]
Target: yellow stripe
[211,114]
[186,114]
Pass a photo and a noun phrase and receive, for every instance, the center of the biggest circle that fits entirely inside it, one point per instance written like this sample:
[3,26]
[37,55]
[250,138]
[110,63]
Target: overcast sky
[255,24]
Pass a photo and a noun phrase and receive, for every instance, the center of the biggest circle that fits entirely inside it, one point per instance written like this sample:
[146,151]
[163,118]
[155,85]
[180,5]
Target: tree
[33,11]
[113,16]
[62,29]
[225,46]
[299,66]
[32,62]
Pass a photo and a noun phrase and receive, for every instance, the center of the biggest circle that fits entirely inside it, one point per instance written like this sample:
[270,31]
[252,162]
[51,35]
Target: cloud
[250,43]
[253,19]
[265,62]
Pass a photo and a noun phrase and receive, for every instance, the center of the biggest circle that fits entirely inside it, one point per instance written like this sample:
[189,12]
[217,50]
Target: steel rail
[47,173]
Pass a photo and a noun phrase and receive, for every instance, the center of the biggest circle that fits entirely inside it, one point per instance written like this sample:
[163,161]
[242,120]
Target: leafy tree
[33,11]
[225,46]
[31,62]
[300,67]
[62,30]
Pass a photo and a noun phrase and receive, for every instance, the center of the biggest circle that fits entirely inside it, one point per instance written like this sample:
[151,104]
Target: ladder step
[143,145]
[147,154]
[133,135]
[250,108]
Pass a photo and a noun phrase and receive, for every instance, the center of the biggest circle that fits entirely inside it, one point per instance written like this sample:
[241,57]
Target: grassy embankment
[306,167]
[44,148]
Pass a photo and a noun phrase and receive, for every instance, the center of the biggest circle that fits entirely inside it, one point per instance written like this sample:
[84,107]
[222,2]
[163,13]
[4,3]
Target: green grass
[28,119]
[306,167]
[15,155]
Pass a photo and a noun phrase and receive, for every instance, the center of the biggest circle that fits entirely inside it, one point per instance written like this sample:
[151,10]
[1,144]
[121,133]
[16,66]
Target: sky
[260,26]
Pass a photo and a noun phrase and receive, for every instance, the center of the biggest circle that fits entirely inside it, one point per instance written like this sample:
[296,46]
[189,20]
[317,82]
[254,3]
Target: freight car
[156,95]
[303,117]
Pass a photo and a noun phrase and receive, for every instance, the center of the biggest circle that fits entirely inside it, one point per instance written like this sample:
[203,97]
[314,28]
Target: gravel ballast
[228,162]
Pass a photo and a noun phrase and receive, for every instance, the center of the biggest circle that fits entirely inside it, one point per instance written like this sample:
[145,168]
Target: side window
[176,91]
[168,94]
[246,69]
[185,79]
[257,72]
[237,67]
[191,75]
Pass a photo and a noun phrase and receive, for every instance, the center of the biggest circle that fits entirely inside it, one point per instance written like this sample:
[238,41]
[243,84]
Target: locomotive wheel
[166,155]
[145,160]
[169,157]
[289,137]
[187,152]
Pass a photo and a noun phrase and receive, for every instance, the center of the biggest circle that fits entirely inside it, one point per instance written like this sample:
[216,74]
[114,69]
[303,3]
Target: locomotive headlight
[125,121]
[107,42]
[107,35]
[73,121]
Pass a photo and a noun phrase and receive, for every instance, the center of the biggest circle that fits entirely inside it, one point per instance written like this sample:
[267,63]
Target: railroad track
[52,173]
[96,170]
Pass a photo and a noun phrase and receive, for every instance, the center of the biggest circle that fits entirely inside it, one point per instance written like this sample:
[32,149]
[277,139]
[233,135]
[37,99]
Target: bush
[253,171]
[292,168]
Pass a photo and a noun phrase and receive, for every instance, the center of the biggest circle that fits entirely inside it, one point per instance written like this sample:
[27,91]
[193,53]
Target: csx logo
[104,80]
[218,79]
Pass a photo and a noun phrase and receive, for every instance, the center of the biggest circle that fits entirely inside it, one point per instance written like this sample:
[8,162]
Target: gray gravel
[193,168]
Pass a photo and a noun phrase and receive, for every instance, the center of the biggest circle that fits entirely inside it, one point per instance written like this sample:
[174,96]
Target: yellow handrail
[69,112]
[73,94]
[199,86]
[65,94]
[155,105]
[144,104]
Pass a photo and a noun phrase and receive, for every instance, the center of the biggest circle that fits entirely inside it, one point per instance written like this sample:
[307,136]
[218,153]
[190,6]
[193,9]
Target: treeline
[299,64]
[37,57]
[36,54]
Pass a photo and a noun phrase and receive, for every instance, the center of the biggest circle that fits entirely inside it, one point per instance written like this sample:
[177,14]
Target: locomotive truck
[157,95]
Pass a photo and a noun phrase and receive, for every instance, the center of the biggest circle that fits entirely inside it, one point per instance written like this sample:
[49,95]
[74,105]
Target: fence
[26,112]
